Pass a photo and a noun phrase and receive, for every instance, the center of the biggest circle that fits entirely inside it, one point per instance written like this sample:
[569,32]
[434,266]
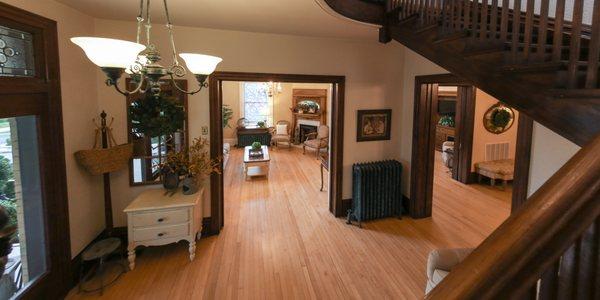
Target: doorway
[458,144]
[335,159]
[32,158]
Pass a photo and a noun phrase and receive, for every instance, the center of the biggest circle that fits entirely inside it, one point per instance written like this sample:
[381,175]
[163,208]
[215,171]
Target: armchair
[317,140]
[282,133]
[440,262]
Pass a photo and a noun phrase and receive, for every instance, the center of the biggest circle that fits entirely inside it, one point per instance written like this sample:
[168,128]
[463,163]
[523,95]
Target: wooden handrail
[512,259]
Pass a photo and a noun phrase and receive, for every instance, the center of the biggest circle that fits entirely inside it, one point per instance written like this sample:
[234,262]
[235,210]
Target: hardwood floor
[280,241]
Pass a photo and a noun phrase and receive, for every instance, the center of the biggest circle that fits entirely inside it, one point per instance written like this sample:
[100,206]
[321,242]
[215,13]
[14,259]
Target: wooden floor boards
[280,241]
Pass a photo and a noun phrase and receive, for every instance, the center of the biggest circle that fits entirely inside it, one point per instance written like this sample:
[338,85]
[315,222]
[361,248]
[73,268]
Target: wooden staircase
[547,67]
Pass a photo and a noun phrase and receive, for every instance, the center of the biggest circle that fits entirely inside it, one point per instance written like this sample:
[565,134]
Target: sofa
[440,262]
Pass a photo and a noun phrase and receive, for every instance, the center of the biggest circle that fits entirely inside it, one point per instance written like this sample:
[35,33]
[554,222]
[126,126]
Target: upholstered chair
[282,133]
[317,140]
[440,262]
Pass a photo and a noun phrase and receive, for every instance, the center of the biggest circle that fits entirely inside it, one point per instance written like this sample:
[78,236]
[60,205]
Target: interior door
[32,165]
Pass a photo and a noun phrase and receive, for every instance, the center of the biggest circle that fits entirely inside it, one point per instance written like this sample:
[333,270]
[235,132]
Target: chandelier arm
[126,92]
[171,35]
[202,85]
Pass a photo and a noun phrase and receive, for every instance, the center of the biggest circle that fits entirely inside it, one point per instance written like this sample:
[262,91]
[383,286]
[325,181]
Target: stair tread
[574,93]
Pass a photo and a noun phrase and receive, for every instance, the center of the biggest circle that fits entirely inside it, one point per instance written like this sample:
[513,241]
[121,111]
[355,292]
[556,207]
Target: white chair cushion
[281,129]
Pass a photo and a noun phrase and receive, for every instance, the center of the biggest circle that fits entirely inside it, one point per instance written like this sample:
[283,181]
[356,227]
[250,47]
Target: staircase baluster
[504,21]
[543,31]
[484,20]
[575,47]
[452,9]
[475,19]
[591,80]
[467,13]
[494,20]
[528,29]
[559,19]
[549,282]
[459,19]
[516,30]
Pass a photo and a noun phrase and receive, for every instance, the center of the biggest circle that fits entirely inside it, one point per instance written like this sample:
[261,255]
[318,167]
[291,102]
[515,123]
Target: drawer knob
[162,233]
[161,219]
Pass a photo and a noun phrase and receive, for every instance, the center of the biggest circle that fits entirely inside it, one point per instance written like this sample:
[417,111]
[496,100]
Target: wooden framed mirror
[155,132]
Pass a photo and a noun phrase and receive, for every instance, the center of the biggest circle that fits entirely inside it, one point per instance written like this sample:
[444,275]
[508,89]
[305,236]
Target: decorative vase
[170,179]
[189,186]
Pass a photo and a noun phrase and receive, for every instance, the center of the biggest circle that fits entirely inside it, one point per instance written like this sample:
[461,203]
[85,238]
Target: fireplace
[305,130]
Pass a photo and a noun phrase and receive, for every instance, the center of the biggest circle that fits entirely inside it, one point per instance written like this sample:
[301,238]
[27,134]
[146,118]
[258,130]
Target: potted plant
[261,124]
[227,115]
[153,117]
[194,165]
[446,120]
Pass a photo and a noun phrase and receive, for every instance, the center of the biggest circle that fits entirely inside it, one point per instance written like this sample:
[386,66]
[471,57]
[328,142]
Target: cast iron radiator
[376,191]
[247,139]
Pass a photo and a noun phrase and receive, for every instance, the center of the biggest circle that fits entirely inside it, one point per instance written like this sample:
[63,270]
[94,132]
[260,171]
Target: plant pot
[170,179]
[189,186]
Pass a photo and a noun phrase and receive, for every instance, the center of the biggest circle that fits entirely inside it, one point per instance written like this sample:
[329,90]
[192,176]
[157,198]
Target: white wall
[79,102]
[414,65]
[373,80]
[549,152]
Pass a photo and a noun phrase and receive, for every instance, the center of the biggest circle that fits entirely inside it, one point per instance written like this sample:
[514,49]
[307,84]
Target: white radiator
[496,151]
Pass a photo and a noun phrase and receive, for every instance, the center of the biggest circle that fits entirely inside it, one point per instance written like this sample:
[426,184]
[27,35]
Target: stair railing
[548,249]
[532,38]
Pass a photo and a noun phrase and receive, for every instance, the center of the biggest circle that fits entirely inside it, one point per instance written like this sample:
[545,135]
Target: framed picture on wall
[373,125]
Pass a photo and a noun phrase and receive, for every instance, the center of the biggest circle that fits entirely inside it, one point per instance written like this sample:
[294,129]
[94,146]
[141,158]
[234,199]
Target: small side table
[155,219]
[324,158]
[100,251]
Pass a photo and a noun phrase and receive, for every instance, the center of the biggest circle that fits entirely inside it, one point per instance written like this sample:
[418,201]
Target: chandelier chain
[148,23]
[171,35]
[140,19]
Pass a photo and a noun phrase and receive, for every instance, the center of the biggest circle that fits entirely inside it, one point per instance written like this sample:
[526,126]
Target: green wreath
[500,118]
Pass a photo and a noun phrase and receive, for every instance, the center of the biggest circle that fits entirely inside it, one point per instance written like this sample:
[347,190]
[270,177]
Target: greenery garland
[156,116]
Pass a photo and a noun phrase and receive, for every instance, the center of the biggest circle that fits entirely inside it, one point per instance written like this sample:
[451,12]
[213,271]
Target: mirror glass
[156,127]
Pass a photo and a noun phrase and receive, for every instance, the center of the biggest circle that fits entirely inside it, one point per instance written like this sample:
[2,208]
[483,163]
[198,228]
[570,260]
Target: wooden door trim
[51,152]
[465,123]
[215,90]
[522,161]
[423,144]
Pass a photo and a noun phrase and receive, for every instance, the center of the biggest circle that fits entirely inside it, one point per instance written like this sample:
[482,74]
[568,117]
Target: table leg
[131,256]
[192,250]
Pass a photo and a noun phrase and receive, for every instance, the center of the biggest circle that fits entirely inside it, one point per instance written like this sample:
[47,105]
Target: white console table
[155,218]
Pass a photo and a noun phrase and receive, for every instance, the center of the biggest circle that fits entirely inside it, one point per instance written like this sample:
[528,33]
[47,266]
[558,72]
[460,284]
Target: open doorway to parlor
[462,155]
[280,137]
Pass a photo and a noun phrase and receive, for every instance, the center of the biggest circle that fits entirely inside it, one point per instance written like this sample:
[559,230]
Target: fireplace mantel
[317,95]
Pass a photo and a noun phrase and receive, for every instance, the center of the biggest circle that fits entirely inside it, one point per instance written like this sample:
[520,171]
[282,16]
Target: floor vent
[376,191]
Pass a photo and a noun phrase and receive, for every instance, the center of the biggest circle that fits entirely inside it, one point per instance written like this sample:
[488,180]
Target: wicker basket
[100,161]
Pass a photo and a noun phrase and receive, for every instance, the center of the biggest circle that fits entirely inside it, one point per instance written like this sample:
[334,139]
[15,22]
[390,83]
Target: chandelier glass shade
[141,62]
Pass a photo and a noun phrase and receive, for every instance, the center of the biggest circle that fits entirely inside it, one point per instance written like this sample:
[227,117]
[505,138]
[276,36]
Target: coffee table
[256,166]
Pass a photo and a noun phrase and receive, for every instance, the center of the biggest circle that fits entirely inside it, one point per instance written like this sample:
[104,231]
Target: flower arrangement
[194,162]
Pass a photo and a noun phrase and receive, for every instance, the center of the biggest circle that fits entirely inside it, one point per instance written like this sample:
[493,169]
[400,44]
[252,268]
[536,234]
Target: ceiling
[296,17]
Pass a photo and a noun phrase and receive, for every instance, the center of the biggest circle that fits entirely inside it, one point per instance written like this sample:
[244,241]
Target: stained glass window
[257,104]
[16,53]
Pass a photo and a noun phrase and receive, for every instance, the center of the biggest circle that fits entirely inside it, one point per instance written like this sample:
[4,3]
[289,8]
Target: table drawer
[160,217]
[161,232]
